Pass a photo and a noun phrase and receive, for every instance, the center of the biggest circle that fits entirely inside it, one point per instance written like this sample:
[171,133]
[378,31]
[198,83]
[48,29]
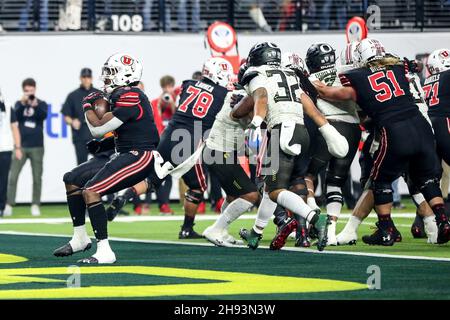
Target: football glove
[88,101]
[336,143]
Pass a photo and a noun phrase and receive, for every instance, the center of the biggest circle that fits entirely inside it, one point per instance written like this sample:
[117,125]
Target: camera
[166,97]
[31,97]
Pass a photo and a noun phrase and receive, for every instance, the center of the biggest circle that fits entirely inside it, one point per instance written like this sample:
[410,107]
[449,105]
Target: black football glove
[412,65]
[88,101]
[93,146]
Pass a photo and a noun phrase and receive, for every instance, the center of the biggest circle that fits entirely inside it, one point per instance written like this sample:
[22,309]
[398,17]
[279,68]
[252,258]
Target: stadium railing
[196,15]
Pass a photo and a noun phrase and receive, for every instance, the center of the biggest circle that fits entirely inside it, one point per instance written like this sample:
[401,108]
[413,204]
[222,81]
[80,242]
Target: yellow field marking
[10,258]
[222,283]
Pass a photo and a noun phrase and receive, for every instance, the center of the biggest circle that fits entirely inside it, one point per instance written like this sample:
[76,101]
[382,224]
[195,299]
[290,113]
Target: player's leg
[241,195]
[441,127]
[120,201]
[337,174]
[123,171]
[426,173]
[277,185]
[74,182]
[195,180]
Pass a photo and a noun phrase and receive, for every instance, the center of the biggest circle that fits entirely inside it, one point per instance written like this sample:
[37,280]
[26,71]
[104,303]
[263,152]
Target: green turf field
[155,264]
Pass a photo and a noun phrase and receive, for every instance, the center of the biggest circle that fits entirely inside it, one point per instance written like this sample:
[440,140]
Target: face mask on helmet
[264,53]
[320,56]
[120,70]
[438,61]
[219,71]
[346,56]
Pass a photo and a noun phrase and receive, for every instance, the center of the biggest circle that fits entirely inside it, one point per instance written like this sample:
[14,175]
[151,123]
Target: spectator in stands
[256,14]
[31,113]
[195,16]
[39,10]
[147,15]
[9,142]
[74,115]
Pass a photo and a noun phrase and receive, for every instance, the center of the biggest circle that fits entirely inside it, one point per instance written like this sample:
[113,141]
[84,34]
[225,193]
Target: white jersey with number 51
[283,93]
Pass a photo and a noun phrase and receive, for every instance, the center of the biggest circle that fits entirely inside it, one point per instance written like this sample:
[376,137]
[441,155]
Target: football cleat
[284,230]
[321,229]
[251,237]
[188,233]
[382,237]
[214,236]
[115,207]
[67,250]
[346,238]
[418,228]
[331,234]
[165,210]
[231,240]
[302,239]
[443,232]
[97,258]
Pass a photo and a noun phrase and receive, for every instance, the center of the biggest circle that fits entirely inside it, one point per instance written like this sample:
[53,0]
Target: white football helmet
[438,61]
[292,60]
[120,70]
[219,71]
[368,50]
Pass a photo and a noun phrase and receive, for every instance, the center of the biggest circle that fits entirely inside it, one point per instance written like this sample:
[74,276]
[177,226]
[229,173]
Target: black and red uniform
[134,141]
[199,103]
[406,137]
[437,90]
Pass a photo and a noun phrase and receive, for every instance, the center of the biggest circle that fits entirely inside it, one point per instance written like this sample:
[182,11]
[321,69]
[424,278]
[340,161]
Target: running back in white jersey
[345,111]
[226,135]
[284,93]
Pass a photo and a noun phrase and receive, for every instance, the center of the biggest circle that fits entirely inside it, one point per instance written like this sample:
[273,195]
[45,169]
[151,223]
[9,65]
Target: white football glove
[256,122]
[337,144]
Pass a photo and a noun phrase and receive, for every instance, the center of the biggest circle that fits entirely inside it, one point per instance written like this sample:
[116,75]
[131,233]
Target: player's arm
[100,127]
[260,107]
[335,93]
[311,111]
[243,108]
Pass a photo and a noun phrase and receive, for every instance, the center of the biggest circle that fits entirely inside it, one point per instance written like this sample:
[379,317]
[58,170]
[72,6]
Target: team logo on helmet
[126,60]
[444,54]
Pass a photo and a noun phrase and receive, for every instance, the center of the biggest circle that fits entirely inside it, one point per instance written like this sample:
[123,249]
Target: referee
[74,116]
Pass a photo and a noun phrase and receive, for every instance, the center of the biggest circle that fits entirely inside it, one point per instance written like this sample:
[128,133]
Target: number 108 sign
[127,23]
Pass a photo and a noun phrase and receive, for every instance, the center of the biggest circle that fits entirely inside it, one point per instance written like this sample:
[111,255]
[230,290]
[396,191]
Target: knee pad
[430,189]
[382,192]
[335,180]
[194,196]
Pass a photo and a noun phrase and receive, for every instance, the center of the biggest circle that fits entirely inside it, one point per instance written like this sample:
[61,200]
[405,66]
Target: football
[101,107]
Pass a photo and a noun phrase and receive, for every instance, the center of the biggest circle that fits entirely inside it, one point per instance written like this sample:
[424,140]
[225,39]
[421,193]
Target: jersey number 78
[203,101]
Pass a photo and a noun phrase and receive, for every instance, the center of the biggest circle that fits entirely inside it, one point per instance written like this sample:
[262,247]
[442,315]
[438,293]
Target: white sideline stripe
[206,244]
[207,217]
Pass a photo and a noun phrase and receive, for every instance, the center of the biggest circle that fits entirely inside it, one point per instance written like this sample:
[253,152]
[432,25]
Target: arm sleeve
[111,125]
[18,110]
[127,106]
[345,81]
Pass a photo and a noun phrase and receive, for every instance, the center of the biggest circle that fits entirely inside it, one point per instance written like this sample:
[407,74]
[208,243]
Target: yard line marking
[206,244]
[207,217]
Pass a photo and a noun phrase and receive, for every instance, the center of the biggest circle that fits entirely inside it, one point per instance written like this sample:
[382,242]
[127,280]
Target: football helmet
[438,61]
[120,70]
[320,56]
[264,53]
[368,50]
[293,61]
[219,71]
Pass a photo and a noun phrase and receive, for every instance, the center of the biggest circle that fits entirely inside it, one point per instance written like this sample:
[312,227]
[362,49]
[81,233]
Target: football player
[200,102]
[320,60]
[380,87]
[224,148]
[136,136]
[277,98]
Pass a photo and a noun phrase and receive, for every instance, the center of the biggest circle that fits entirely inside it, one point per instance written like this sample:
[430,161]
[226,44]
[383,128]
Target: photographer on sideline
[30,113]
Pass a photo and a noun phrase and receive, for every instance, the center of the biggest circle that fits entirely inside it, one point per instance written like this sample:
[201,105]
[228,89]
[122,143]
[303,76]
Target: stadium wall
[55,61]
